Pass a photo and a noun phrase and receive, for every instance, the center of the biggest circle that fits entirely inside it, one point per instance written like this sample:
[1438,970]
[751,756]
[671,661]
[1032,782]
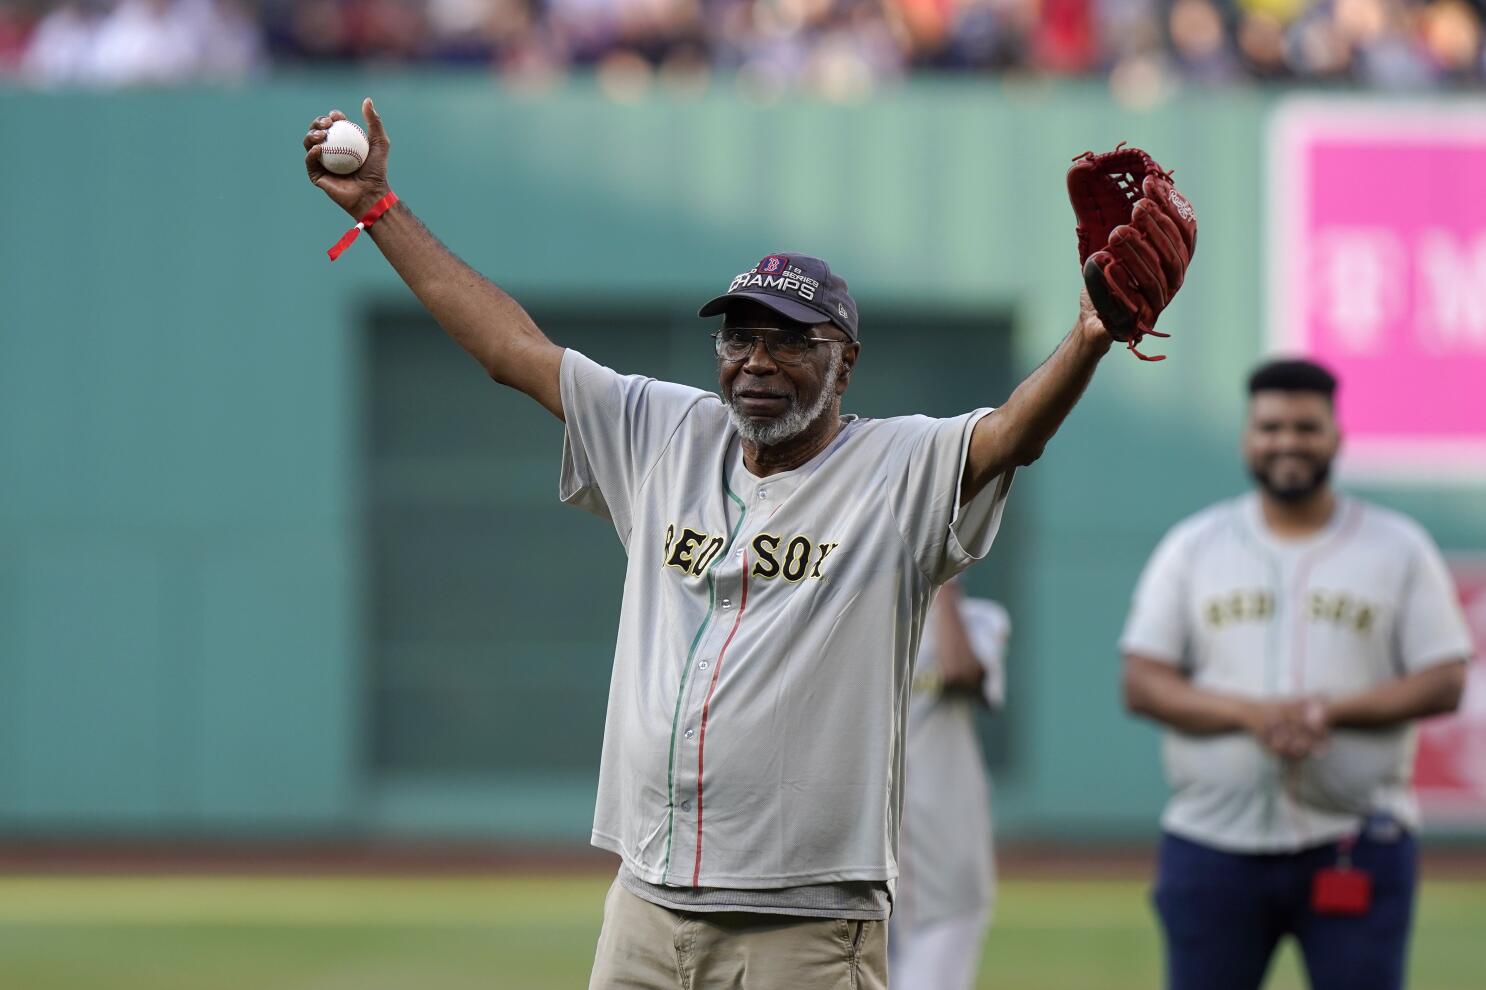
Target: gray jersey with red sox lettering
[755,730]
[1365,600]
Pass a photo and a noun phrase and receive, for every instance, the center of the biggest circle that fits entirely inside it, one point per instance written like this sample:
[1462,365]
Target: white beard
[797,419]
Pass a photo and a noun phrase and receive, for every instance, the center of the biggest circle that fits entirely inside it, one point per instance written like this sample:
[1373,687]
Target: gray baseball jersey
[948,868]
[1365,600]
[754,735]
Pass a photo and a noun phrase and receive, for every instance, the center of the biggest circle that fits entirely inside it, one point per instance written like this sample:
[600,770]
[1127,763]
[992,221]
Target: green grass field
[537,933]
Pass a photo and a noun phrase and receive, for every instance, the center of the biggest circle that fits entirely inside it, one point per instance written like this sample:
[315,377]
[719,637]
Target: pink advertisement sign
[1377,268]
[1450,770]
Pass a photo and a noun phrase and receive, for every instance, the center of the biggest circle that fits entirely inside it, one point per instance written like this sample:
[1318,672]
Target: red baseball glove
[1136,235]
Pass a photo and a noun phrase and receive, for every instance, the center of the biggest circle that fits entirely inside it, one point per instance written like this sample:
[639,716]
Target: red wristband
[372,216]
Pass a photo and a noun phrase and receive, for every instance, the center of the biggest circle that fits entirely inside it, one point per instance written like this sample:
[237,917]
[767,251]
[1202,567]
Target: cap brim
[796,311]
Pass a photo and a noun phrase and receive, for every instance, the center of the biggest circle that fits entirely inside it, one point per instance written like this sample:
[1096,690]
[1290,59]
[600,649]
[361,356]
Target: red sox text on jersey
[793,558]
[1257,605]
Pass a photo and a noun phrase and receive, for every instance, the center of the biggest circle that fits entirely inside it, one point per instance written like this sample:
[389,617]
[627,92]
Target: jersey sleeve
[988,627]
[1158,626]
[1431,626]
[616,428]
[944,536]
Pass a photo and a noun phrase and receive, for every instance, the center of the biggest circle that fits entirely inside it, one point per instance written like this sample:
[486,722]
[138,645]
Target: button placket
[724,575]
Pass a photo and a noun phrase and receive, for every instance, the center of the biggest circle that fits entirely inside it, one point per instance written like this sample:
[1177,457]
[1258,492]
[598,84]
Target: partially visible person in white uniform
[946,890]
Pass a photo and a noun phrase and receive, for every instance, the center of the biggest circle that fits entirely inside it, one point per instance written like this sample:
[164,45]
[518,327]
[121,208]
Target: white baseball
[345,148]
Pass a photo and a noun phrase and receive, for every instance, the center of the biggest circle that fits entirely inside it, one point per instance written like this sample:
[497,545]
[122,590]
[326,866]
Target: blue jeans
[1225,913]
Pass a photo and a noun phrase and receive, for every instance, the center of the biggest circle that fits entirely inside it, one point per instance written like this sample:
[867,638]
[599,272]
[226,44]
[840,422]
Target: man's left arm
[1017,432]
[1433,646]
[1435,690]
[960,670]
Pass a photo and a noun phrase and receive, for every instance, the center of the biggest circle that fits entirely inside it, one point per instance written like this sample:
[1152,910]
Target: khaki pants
[644,946]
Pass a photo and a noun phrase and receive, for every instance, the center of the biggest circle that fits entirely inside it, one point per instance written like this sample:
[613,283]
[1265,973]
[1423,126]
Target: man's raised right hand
[358,192]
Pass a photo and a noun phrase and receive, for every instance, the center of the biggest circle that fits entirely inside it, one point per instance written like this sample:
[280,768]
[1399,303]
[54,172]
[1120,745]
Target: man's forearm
[479,316]
[1433,691]
[1017,433]
[1040,403]
[954,654]
[1195,711]
[1161,693]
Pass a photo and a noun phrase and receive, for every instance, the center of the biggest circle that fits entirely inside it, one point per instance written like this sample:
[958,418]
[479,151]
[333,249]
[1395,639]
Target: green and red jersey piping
[686,672]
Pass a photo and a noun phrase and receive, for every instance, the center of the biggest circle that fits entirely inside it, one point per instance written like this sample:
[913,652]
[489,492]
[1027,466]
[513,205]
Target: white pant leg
[941,956]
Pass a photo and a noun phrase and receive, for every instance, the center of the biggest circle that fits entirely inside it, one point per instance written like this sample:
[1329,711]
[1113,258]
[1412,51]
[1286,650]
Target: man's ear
[849,354]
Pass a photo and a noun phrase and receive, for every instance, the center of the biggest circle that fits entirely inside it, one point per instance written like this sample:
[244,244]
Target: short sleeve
[1157,626]
[944,536]
[988,627]
[616,428]
[1431,626]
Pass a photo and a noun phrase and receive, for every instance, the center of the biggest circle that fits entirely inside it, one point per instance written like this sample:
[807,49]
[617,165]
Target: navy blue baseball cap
[793,285]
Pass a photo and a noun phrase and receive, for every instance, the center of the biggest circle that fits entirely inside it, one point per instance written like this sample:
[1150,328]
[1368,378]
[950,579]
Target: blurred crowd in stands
[836,47]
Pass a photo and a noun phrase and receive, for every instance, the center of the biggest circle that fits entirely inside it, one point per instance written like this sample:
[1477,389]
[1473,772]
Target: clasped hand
[1292,728]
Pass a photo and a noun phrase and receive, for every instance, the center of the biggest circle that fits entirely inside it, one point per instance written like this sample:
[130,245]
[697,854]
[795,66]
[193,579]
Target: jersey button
[763,493]
[690,733]
[685,805]
[727,603]
[702,665]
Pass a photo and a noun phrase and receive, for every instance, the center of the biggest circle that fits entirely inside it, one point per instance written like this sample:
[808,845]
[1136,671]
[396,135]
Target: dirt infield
[1049,861]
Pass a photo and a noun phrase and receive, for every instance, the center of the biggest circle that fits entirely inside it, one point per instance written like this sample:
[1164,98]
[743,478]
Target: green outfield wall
[275,560]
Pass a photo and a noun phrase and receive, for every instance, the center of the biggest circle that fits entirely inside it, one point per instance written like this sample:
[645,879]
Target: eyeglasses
[785,346]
